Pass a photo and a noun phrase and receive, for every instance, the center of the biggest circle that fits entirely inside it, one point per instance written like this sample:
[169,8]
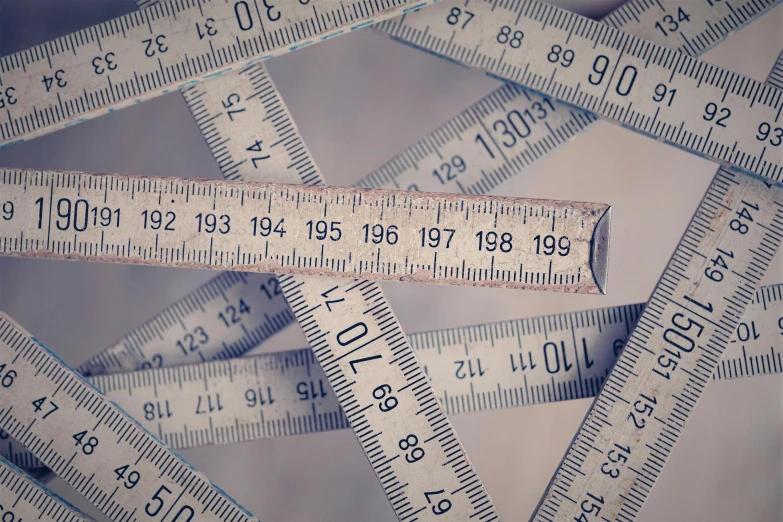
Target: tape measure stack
[292,250]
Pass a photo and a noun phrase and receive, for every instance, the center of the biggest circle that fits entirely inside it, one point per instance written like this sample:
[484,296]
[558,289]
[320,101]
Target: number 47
[38,404]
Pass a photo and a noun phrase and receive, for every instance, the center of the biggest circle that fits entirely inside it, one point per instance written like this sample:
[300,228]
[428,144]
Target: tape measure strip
[491,366]
[146,53]
[92,444]
[544,124]
[22,498]
[474,368]
[634,423]
[641,85]
[420,167]
[378,234]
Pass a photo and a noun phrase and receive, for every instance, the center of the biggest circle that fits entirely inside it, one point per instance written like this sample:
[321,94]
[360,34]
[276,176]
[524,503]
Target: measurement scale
[474,368]
[639,84]
[420,167]
[93,445]
[378,234]
[147,53]
[635,421]
[22,498]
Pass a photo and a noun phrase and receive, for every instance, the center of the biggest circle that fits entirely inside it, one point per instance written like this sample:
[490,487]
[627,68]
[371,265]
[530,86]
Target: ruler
[23,498]
[639,84]
[473,368]
[93,445]
[420,167]
[635,421]
[148,53]
[489,366]
[379,234]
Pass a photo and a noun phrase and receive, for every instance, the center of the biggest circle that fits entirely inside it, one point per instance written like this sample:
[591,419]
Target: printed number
[444,172]
[157,362]
[263,227]
[616,460]
[271,288]
[210,223]
[230,316]
[7,380]
[156,219]
[256,147]
[736,224]
[323,230]
[88,447]
[600,65]
[208,402]
[242,13]
[270,14]
[230,101]
[102,63]
[191,342]
[411,441]
[256,397]
[643,406]
[381,392]
[38,404]
[433,236]
[662,92]
[155,510]
[208,30]
[505,36]
[442,506]
[78,215]
[454,16]
[668,24]
[132,478]
[714,272]
[712,110]
[745,332]
[7,97]
[678,342]
[765,129]
[57,80]
[553,363]
[8,210]
[155,45]
[518,124]
[554,56]
[590,507]
[626,81]
[9,516]
[548,242]
[489,241]
[378,234]
[156,410]
[310,390]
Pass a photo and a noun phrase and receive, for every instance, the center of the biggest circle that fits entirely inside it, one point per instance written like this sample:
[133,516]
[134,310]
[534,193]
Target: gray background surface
[358,100]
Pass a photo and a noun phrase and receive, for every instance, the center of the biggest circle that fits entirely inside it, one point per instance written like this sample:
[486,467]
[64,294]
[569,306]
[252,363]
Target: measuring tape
[489,366]
[420,167]
[92,444]
[22,498]
[639,84]
[635,421]
[379,234]
[165,47]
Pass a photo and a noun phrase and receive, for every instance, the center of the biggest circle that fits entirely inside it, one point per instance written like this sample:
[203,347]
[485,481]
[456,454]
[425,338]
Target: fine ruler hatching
[146,53]
[378,234]
[643,86]
[93,445]
[172,336]
[22,498]
[672,353]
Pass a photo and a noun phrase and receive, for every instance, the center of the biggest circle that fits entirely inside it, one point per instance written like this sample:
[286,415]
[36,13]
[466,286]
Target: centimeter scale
[734,19]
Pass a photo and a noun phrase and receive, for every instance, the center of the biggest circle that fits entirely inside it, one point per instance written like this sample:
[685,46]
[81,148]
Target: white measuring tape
[93,445]
[625,79]
[379,234]
[250,95]
[22,498]
[149,52]
[672,353]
